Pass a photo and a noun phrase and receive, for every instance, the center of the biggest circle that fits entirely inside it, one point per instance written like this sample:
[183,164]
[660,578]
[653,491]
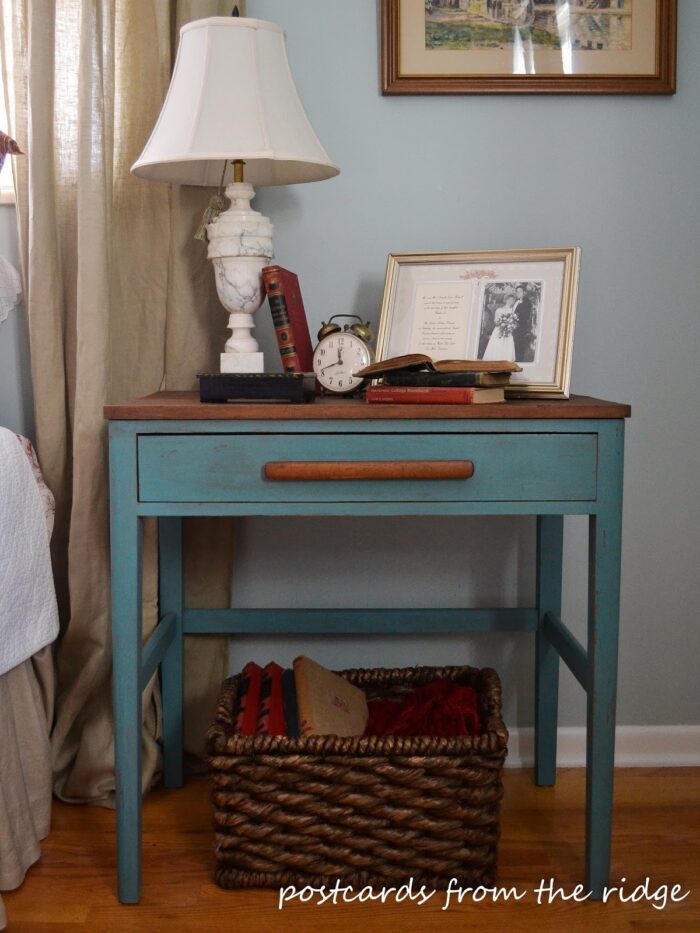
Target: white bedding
[28,613]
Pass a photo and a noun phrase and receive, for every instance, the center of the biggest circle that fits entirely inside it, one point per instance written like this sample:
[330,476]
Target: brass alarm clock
[340,353]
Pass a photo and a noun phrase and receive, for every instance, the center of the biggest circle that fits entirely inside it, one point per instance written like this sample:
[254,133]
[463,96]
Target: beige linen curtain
[26,701]
[121,303]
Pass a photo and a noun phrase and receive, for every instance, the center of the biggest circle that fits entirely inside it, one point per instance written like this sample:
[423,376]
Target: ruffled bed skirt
[26,711]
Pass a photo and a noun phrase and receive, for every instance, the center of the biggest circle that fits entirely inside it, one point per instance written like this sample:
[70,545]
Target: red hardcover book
[434,395]
[247,713]
[271,719]
[271,707]
[264,705]
[278,723]
[289,318]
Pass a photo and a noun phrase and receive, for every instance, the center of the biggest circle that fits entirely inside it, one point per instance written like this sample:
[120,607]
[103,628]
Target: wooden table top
[185,406]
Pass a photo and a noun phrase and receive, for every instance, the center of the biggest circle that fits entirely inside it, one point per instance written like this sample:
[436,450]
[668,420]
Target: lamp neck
[240,194]
[238,170]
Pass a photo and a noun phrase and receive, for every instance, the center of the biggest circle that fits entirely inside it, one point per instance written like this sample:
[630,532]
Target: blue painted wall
[16,410]
[616,176]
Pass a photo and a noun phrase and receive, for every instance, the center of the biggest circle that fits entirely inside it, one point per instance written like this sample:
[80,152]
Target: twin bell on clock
[340,353]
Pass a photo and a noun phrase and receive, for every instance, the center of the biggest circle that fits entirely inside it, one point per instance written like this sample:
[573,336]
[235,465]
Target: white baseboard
[635,747]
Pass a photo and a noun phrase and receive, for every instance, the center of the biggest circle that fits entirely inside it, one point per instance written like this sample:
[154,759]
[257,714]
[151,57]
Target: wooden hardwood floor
[657,835]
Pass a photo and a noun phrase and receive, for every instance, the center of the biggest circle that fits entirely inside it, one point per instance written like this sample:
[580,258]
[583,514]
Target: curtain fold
[26,704]
[121,302]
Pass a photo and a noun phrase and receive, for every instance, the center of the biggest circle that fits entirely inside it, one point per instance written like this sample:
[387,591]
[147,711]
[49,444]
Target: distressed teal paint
[520,467]
[156,648]
[550,538]
[366,428]
[366,508]
[548,468]
[357,621]
[568,647]
[126,536]
[605,541]
[171,599]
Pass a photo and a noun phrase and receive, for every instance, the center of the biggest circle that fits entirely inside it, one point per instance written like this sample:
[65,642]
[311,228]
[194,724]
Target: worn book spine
[304,701]
[276,722]
[433,395]
[270,719]
[291,710]
[407,377]
[263,720]
[289,319]
[247,713]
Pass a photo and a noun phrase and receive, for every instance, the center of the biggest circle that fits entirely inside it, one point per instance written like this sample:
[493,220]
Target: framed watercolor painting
[516,304]
[528,46]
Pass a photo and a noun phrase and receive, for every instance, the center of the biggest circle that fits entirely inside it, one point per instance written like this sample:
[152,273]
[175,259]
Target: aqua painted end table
[171,456]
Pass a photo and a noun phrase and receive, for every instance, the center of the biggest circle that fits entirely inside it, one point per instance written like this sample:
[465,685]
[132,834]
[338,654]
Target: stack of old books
[308,699]
[417,379]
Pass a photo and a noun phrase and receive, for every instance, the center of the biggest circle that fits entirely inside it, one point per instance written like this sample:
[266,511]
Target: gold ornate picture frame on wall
[528,46]
[516,304]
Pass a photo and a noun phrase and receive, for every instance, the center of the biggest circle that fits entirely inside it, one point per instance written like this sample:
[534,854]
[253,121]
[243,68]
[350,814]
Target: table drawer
[352,467]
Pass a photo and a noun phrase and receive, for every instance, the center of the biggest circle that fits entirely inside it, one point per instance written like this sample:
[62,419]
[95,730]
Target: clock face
[337,358]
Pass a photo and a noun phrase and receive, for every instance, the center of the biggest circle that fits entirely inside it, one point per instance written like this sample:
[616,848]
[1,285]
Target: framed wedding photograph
[516,304]
[528,46]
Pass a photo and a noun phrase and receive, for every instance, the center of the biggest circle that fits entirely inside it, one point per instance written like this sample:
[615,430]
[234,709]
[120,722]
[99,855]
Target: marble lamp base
[240,246]
[242,363]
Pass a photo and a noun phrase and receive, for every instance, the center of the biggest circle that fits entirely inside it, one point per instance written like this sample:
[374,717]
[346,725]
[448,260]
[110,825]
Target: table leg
[603,617]
[126,535]
[170,590]
[550,536]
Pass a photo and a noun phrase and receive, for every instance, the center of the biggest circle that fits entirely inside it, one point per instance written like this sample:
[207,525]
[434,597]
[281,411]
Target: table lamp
[232,104]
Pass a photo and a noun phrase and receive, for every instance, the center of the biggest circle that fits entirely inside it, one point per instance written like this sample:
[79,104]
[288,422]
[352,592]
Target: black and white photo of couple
[510,317]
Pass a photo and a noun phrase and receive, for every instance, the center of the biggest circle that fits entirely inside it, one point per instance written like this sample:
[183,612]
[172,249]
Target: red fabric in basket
[441,708]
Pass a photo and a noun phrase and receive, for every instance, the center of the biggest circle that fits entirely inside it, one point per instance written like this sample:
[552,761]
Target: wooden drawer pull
[329,470]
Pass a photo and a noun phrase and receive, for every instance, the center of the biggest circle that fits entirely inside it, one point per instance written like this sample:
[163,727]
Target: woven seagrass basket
[306,811]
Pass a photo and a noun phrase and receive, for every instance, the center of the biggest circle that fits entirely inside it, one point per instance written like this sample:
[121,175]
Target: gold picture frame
[528,46]
[517,304]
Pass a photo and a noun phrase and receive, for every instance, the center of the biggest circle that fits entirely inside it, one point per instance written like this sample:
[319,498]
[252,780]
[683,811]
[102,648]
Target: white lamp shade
[232,96]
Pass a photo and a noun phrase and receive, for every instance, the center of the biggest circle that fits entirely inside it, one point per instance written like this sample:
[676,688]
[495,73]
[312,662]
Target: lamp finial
[235,11]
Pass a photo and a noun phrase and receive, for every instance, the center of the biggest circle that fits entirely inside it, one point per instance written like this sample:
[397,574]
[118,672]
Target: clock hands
[338,362]
[351,344]
[339,355]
